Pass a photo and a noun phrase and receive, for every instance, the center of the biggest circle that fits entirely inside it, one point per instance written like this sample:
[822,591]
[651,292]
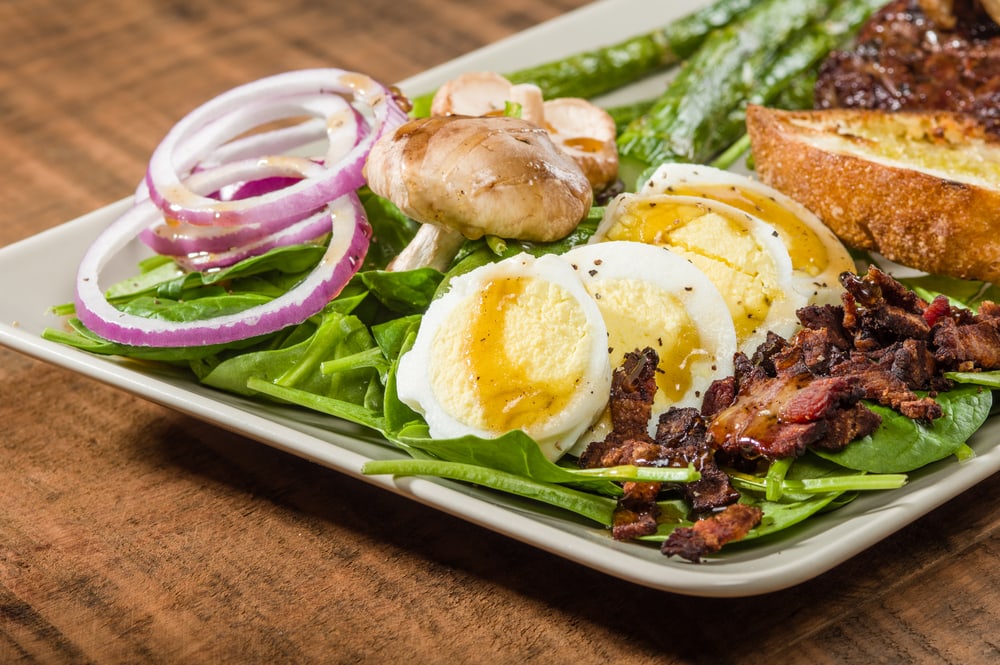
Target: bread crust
[938,225]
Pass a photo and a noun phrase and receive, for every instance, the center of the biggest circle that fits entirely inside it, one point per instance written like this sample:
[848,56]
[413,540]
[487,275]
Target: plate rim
[782,564]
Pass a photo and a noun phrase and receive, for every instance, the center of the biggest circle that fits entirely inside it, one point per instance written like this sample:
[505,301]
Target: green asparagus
[714,82]
[790,81]
[592,73]
[596,72]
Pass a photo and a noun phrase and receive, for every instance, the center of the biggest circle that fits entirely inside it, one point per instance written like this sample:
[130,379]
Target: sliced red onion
[244,190]
[177,238]
[207,127]
[344,256]
[250,177]
[274,142]
[309,229]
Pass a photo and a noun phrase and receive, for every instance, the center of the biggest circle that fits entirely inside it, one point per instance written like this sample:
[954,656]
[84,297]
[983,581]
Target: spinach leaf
[209,305]
[986,379]
[298,365]
[963,292]
[790,509]
[406,292]
[78,336]
[597,508]
[146,281]
[901,445]
[514,452]
[391,229]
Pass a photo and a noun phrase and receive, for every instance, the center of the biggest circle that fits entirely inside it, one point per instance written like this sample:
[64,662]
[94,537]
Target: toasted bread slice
[920,188]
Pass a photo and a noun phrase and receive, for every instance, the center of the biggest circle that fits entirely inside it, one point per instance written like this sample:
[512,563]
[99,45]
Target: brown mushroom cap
[481,175]
[581,129]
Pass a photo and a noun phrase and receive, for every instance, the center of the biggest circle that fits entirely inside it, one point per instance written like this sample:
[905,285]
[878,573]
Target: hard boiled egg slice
[742,255]
[818,257]
[652,297]
[514,345]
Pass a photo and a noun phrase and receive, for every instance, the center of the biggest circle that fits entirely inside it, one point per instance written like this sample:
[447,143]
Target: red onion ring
[309,229]
[209,151]
[243,166]
[175,238]
[204,128]
[344,255]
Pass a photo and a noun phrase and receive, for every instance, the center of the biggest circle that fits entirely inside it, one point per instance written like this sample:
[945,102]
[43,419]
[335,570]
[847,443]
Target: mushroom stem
[431,247]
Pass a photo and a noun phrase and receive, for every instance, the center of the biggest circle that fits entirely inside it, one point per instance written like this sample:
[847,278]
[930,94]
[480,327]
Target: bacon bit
[937,310]
[708,535]
[882,344]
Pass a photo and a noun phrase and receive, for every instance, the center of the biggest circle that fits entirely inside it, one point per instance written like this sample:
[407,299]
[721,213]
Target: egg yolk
[640,315]
[524,346]
[806,249]
[721,247]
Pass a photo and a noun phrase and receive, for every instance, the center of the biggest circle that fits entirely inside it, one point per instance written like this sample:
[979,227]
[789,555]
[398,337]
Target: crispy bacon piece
[974,345]
[636,512]
[882,344]
[781,415]
[889,376]
[683,435]
[680,440]
[708,535]
[633,385]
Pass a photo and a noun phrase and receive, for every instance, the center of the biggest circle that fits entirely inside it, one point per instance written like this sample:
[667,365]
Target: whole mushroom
[578,127]
[466,177]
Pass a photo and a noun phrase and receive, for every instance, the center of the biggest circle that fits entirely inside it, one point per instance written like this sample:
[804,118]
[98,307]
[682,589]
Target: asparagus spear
[592,73]
[790,81]
[808,49]
[596,72]
[714,82]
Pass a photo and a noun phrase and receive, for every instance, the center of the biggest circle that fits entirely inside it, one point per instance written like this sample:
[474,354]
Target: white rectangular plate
[44,266]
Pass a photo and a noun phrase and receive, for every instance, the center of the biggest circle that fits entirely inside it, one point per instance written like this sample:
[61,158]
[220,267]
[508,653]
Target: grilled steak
[904,60]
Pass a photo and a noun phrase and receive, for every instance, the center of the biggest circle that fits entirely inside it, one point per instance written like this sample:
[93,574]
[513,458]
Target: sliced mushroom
[582,130]
[587,133]
[465,177]
[487,93]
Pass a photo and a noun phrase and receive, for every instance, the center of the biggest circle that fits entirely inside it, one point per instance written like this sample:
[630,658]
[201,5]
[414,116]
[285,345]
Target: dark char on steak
[902,59]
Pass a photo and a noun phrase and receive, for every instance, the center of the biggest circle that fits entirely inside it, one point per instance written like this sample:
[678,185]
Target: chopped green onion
[597,508]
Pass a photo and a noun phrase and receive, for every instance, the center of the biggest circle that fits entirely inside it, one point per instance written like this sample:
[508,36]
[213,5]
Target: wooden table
[133,534]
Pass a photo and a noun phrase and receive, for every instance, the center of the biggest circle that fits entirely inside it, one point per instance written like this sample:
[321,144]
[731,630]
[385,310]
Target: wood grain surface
[133,534]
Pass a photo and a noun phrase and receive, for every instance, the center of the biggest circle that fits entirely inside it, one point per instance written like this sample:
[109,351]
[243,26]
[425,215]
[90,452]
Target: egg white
[652,297]
[742,255]
[818,256]
[517,344]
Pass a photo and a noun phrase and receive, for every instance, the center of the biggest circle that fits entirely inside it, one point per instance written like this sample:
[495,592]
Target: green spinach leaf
[901,445]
